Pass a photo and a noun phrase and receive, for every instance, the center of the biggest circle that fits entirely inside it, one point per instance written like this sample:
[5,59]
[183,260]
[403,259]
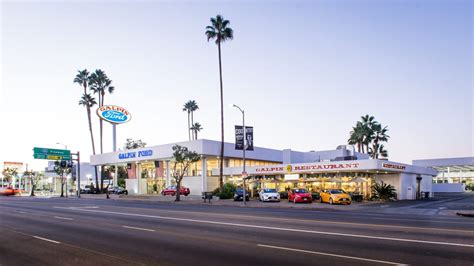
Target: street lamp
[65,146]
[244,174]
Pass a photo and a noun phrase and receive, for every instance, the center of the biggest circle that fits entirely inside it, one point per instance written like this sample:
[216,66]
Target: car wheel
[330,201]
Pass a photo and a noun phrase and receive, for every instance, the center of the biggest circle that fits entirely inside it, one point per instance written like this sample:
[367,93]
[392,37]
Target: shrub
[227,191]
[383,191]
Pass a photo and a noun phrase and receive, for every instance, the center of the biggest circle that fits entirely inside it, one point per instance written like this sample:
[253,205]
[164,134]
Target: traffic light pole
[78,177]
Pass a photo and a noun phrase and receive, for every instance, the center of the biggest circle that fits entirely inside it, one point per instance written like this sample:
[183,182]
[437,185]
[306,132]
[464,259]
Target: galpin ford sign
[114,114]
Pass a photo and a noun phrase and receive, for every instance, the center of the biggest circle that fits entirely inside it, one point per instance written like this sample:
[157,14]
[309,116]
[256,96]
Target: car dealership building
[149,169]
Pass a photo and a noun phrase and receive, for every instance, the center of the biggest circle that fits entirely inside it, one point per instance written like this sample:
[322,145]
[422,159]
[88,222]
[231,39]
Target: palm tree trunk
[221,162]
[101,147]
[189,128]
[93,144]
[192,122]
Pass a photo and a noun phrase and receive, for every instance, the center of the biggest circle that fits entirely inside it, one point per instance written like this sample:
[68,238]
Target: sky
[303,71]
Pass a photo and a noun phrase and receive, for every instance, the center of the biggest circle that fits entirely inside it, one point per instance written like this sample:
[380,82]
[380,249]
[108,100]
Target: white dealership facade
[149,169]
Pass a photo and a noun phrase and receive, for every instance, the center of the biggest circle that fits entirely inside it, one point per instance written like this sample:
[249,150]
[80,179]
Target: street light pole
[244,173]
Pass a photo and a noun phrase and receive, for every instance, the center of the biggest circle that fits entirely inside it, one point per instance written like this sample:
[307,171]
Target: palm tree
[88,101]
[100,84]
[368,124]
[220,31]
[83,78]
[357,136]
[380,135]
[196,128]
[193,107]
[187,108]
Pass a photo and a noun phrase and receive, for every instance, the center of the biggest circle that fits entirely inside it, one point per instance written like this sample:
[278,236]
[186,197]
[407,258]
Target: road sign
[51,154]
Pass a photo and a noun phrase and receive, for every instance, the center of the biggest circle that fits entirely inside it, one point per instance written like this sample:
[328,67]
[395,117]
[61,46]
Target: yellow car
[333,196]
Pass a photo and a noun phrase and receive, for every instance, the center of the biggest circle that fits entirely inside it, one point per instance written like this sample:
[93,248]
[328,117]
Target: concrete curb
[465,214]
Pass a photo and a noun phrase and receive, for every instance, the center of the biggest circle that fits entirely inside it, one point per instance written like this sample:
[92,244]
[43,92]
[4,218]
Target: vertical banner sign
[249,138]
[239,138]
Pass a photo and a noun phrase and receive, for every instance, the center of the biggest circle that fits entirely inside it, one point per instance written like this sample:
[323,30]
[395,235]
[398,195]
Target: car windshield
[336,191]
[301,190]
[269,190]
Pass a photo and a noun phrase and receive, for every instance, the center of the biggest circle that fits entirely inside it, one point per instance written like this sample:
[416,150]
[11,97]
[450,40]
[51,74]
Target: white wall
[449,187]
[132,186]
[194,183]
[212,183]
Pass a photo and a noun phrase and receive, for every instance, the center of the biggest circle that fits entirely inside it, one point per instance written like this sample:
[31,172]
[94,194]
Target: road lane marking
[330,254]
[45,239]
[22,212]
[63,218]
[138,228]
[279,228]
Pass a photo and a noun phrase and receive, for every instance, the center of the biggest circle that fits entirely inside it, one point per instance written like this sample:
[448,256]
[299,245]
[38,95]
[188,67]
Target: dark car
[239,194]
[120,190]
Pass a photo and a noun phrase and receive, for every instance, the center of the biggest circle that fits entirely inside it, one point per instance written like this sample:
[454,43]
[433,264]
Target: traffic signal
[63,164]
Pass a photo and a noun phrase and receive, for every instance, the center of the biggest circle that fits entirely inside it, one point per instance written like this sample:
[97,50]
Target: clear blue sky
[304,72]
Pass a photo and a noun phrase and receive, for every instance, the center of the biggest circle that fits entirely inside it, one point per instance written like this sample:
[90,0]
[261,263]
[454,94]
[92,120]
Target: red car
[299,195]
[8,191]
[172,191]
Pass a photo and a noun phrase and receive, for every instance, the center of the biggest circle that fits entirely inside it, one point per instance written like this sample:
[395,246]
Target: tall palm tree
[220,31]
[100,84]
[194,107]
[196,128]
[82,79]
[88,101]
[187,108]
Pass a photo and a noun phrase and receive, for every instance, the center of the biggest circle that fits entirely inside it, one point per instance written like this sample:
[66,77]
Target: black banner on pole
[249,138]
[239,138]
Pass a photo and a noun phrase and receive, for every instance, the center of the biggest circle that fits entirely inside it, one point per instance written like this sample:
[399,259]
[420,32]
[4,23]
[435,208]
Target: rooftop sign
[114,114]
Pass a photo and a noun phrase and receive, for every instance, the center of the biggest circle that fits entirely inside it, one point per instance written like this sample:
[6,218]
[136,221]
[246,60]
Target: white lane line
[63,218]
[45,239]
[330,254]
[22,212]
[280,228]
[138,228]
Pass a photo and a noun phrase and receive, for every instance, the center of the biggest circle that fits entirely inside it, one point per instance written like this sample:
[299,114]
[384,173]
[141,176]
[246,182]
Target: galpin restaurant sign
[114,114]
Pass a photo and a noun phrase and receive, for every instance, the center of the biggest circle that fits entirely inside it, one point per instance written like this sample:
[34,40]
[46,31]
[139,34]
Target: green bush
[227,191]
[383,191]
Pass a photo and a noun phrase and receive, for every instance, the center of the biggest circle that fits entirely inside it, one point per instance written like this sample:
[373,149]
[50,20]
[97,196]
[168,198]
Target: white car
[269,194]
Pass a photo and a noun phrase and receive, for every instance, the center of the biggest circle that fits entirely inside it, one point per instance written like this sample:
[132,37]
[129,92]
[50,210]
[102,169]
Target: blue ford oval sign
[114,114]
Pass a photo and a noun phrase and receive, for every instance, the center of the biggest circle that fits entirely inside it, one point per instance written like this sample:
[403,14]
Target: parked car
[172,191]
[299,195]
[315,195]
[283,194]
[268,194]
[8,191]
[118,190]
[88,190]
[333,196]
[239,194]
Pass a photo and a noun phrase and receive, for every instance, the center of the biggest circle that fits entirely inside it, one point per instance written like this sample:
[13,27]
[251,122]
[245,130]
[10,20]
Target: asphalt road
[72,231]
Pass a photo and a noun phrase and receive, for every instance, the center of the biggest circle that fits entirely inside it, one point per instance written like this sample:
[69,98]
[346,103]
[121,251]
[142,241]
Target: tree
[221,32]
[367,135]
[194,107]
[9,174]
[182,159]
[88,101]
[62,168]
[187,108]
[195,129]
[34,177]
[99,83]
[134,144]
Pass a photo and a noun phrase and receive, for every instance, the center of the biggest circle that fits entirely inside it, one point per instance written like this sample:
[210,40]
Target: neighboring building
[267,168]
[454,174]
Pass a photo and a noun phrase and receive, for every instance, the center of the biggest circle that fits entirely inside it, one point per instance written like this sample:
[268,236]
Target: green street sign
[51,154]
